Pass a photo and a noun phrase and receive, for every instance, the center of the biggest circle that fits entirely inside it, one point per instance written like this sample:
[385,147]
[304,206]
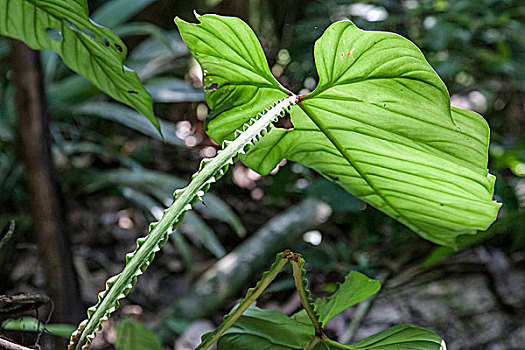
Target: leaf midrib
[345,154]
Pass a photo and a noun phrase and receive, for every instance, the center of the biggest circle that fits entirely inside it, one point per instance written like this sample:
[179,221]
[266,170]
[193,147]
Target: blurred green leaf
[200,232]
[31,324]
[132,335]
[144,28]
[463,242]
[115,12]
[173,91]
[160,186]
[333,195]
[129,118]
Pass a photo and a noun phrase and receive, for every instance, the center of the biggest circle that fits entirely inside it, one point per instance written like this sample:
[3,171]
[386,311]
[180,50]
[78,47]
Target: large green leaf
[379,123]
[87,48]
[356,288]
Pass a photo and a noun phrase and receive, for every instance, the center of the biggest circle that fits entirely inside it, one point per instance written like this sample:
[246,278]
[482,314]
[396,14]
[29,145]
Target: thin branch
[6,344]
[7,233]
[315,340]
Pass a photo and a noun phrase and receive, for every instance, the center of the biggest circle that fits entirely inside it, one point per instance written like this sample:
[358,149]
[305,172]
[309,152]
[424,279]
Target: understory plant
[379,124]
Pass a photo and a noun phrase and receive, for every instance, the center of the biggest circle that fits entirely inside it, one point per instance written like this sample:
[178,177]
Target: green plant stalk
[304,295]
[251,296]
[335,344]
[119,286]
[315,340]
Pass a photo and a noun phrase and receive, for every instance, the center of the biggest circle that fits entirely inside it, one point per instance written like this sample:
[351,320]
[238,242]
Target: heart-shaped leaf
[379,123]
[87,48]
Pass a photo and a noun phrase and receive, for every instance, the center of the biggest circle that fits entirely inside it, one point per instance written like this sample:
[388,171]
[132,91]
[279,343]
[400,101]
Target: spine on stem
[210,170]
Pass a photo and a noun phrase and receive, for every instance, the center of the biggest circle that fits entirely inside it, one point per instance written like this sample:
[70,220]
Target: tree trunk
[44,196]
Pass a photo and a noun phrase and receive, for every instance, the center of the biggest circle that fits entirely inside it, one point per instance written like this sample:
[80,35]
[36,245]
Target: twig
[22,302]
[7,233]
[6,344]
[312,343]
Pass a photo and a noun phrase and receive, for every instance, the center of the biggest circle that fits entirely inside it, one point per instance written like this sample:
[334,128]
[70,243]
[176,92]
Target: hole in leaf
[211,87]
[90,33]
[132,92]
[284,122]
[54,34]
[104,40]
[118,47]
[72,26]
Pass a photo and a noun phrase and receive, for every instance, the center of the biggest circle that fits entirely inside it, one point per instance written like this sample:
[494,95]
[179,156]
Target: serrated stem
[252,295]
[184,200]
[303,295]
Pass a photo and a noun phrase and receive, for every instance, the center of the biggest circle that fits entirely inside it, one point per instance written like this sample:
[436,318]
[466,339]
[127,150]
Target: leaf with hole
[379,123]
[86,47]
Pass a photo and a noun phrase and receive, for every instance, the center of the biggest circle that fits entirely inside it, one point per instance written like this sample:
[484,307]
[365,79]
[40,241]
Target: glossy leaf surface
[87,48]
[406,337]
[379,123]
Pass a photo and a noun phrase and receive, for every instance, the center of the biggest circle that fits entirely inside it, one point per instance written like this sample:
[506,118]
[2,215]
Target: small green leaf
[266,329]
[115,12]
[132,335]
[87,48]
[130,119]
[405,337]
[356,288]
